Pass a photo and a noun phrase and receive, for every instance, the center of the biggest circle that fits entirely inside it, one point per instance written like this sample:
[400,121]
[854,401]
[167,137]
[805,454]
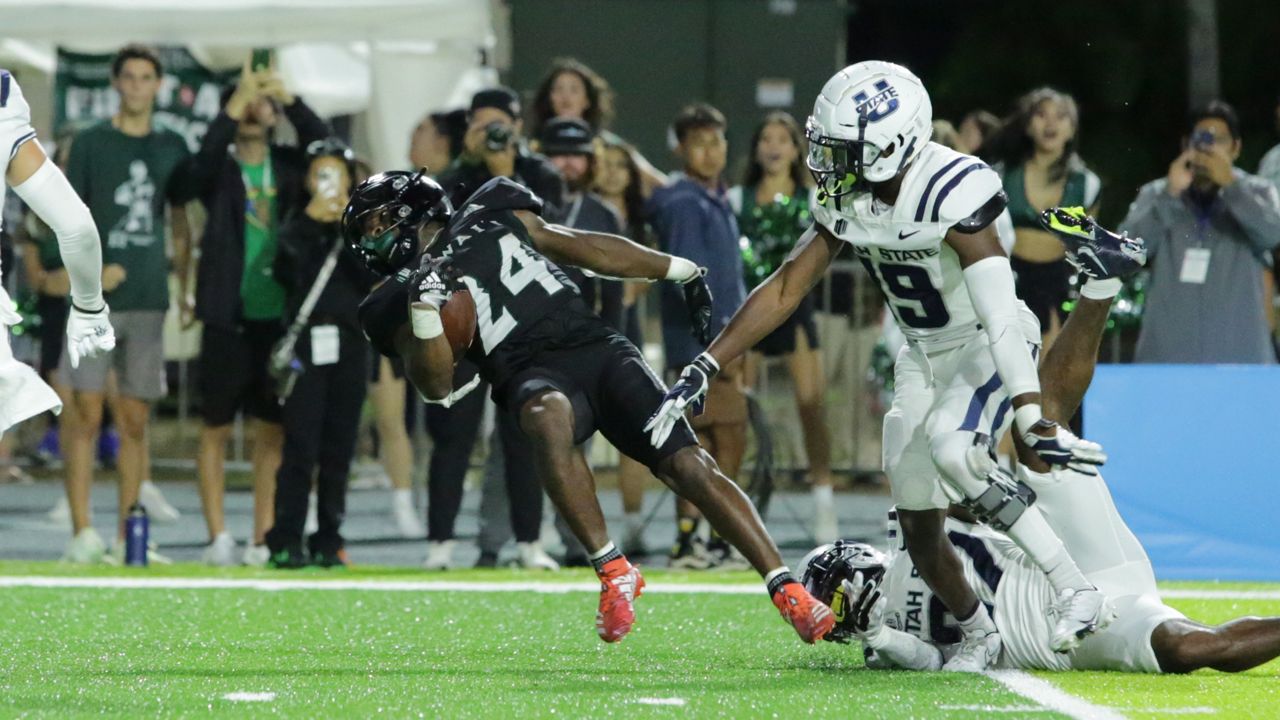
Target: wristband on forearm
[682,270]
[77,308]
[425,322]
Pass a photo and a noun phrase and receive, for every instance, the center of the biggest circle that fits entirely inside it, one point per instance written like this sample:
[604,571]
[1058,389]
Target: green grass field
[361,652]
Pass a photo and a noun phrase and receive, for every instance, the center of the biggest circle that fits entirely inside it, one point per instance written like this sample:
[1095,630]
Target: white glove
[864,606]
[89,334]
[689,391]
[1058,447]
[455,396]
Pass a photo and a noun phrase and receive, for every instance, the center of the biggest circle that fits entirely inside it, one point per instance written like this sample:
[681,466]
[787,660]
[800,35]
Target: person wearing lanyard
[1210,230]
[247,184]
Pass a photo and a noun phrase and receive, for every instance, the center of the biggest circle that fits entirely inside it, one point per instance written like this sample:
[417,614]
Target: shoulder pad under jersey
[500,193]
[951,188]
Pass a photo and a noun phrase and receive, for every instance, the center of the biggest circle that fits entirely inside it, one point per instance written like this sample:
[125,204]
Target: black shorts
[782,341]
[1044,287]
[611,389]
[233,372]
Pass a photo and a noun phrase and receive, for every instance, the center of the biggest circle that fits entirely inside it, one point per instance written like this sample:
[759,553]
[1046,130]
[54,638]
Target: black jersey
[517,291]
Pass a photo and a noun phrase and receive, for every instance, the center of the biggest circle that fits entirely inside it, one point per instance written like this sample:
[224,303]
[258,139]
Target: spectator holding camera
[248,183]
[493,147]
[1210,229]
[322,413]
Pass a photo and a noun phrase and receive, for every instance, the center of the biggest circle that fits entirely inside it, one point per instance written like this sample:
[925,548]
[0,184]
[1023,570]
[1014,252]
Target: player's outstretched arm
[765,309]
[603,254]
[989,280]
[44,189]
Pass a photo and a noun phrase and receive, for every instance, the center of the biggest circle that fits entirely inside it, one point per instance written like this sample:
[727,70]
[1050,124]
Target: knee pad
[976,481]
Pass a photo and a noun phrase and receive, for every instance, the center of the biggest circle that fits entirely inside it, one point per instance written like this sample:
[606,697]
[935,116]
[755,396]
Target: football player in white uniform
[921,219]
[903,624]
[45,190]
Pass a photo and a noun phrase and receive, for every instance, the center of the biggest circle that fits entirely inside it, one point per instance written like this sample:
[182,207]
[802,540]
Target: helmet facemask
[840,166]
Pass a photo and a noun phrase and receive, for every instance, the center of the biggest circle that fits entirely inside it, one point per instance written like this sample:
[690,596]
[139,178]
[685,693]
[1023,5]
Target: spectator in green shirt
[128,172]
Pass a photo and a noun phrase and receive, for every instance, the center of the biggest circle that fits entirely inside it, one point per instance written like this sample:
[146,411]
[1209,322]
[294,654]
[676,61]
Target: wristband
[1100,289]
[425,322]
[79,309]
[682,270]
[1027,416]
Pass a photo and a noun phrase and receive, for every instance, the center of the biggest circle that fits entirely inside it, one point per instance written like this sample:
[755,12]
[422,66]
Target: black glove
[697,298]
[434,282]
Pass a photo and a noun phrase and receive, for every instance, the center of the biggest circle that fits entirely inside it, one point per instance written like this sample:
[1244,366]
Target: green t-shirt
[261,297]
[126,182]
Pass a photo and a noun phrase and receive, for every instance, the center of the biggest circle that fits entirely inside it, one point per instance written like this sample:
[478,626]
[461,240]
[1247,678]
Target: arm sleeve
[309,125]
[990,285]
[48,193]
[896,649]
[1151,215]
[1255,205]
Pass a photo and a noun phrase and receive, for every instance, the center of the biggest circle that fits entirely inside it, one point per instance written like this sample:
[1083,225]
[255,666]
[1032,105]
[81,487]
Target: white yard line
[1050,696]
[281,584]
[250,696]
[676,702]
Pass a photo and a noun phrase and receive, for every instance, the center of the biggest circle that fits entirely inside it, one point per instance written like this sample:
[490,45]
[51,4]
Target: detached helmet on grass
[827,566]
[380,224]
[870,120]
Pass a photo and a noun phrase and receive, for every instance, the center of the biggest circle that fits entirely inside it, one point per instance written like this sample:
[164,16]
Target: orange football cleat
[811,619]
[620,584]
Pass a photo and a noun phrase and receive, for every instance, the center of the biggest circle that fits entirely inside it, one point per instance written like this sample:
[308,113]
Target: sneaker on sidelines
[288,559]
[633,544]
[725,556]
[61,512]
[221,552]
[811,618]
[312,524]
[440,555]
[255,555]
[330,560]
[158,509]
[690,553]
[486,561]
[406,516]
[533,557]
[154,557]
[978,651]
[86,548]
[825,527]
[620,585]
[549,537]
[1079,614]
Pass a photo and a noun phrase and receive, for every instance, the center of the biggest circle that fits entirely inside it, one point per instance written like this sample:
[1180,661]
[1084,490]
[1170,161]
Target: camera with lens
[498,136]
[1202,140]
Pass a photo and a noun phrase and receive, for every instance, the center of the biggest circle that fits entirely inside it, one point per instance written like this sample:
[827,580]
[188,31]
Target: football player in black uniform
[550,360]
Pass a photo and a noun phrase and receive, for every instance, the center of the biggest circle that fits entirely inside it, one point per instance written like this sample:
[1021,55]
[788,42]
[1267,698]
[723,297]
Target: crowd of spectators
[299,368]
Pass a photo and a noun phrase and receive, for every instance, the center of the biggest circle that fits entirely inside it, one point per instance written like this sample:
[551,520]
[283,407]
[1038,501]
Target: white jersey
[15,124]
[1019,596]
[902,245]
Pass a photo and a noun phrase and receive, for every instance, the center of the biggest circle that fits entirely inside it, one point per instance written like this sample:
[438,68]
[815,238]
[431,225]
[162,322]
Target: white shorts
[1125,646]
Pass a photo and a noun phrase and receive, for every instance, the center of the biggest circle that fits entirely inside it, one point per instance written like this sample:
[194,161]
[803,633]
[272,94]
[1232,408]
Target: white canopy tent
[388,61]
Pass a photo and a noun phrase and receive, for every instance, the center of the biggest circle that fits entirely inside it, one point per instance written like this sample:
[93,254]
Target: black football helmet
[380,224]
[826,566]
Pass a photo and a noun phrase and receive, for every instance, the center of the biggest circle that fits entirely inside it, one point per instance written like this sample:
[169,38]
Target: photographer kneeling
[326,368]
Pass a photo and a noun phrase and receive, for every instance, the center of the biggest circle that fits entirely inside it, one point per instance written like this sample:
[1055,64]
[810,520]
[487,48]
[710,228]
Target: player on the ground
[45,190]
[921,217]
[550,360]
[902,623]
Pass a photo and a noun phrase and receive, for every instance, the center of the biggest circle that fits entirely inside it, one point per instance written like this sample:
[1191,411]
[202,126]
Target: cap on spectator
[502,98]
[567,136]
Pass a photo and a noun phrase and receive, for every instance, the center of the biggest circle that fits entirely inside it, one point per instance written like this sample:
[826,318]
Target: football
[459,318]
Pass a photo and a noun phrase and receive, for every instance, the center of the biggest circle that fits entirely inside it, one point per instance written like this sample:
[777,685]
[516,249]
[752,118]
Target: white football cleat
[158,509]
[221,552]
[533,557]
[439,555]
[86,548]
[255,555]
[978,651]
[1079,613]
[406,516]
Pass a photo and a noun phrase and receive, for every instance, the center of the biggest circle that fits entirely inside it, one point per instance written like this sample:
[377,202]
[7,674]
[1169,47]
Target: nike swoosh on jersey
[902,235]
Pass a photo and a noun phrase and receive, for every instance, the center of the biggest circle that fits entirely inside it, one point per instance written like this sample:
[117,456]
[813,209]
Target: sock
[979,622]
[823,495]
[685,528]
[1042,545]
[402,497]
[776,578]
[604,556]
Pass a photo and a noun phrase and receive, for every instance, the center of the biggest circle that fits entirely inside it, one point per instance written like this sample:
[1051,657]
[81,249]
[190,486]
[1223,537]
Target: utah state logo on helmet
[381,222]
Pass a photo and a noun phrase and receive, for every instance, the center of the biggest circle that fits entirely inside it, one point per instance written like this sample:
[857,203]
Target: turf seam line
[1051,696]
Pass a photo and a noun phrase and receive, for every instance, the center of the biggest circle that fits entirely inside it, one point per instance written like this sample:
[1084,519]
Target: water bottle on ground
[136,534]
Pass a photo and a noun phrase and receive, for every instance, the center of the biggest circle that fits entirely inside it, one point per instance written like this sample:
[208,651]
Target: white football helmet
[868,123]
